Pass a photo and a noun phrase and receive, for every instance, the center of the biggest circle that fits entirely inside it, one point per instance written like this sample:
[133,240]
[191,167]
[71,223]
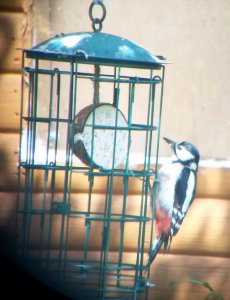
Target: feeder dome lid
[95,47]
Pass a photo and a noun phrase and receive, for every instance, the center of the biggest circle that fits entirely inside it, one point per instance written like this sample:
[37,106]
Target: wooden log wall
[201,249]
[13,34]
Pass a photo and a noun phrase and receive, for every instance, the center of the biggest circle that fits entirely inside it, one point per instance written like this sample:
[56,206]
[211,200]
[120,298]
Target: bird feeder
[90,124]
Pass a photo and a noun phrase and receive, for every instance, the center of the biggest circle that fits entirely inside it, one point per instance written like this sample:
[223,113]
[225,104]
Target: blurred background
[194,36]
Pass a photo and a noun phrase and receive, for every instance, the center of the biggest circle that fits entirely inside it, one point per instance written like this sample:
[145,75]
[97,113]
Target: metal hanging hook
[97,22]
[96,1]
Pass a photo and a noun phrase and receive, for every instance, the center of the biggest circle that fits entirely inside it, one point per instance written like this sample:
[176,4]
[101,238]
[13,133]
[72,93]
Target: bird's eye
[179,147]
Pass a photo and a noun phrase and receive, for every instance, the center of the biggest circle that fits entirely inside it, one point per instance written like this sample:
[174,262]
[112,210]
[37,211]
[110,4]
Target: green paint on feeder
[95,48]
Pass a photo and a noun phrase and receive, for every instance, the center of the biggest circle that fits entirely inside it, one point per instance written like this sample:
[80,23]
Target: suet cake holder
[75,210]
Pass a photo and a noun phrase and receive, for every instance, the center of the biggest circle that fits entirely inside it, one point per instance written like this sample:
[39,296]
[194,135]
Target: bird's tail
[163,239]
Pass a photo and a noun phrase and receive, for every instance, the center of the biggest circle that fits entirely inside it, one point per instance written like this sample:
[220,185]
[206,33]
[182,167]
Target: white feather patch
[190,192]
[168,176]
[183,154]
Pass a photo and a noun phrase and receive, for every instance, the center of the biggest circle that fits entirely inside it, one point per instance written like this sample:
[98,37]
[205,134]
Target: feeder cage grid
[84,221]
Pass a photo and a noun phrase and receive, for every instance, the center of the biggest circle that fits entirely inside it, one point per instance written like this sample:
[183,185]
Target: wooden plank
[212,182]
[214,270]
[11,35]
[10,85]
[11,5]
[207,219]
[201,233]
[8,161]
[205,229]
[182,268]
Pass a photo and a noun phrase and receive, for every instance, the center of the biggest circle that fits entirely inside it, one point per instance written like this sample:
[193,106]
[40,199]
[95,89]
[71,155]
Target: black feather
[181,187]
[180,196]
[162,240]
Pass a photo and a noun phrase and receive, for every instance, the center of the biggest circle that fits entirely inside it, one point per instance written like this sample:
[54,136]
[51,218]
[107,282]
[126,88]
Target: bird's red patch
[163,220]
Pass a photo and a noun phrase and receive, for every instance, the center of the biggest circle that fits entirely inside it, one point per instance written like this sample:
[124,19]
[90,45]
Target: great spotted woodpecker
[175,191]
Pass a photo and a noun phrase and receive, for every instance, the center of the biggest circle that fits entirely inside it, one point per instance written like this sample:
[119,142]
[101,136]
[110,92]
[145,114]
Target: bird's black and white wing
[184,195]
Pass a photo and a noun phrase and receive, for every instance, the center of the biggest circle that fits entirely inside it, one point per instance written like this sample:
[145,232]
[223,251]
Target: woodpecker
[175,191]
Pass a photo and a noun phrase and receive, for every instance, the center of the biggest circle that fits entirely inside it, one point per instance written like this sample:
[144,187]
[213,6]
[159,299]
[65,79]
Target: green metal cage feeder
[90,125]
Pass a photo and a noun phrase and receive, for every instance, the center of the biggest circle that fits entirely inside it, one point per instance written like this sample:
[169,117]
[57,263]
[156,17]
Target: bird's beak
[171,142]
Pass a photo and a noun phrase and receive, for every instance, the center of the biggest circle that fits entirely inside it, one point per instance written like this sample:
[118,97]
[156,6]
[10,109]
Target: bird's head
[185,153]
